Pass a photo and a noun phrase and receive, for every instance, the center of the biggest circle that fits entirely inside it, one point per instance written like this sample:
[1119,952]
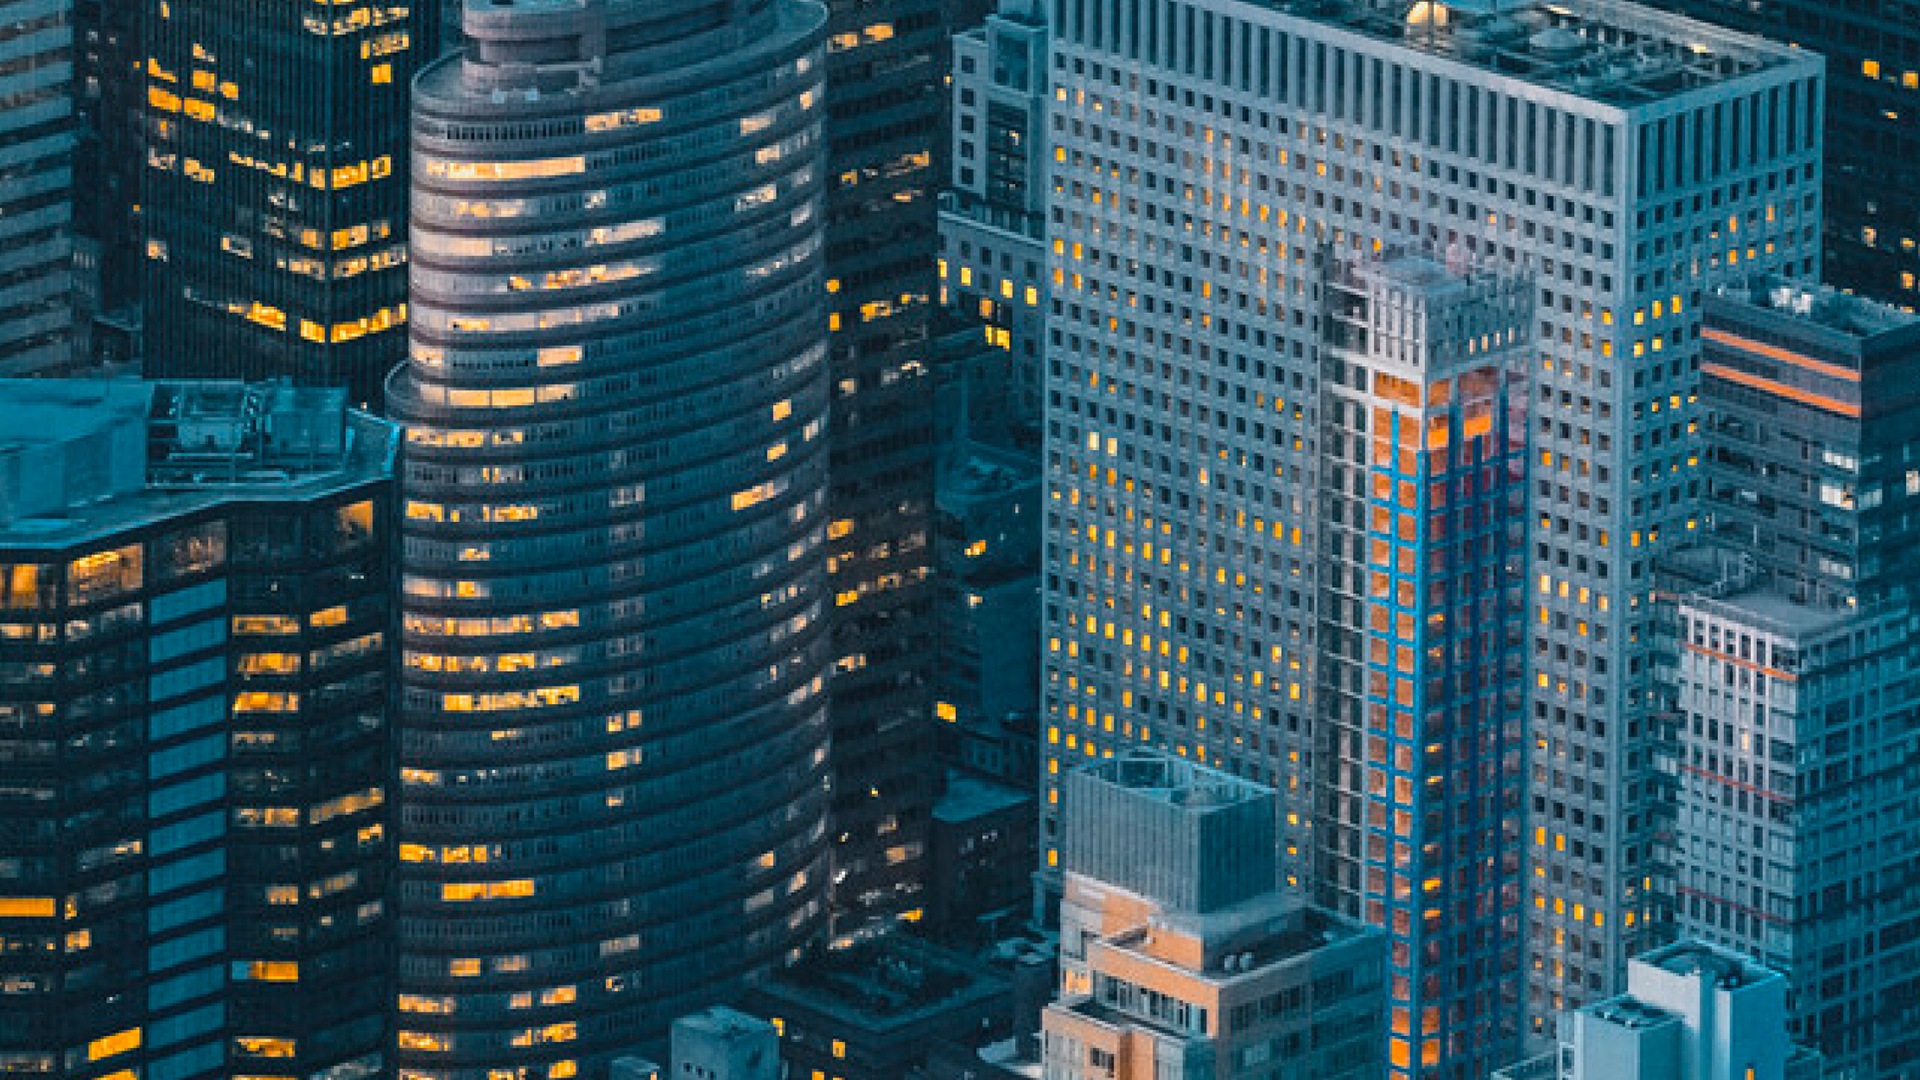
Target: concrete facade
[1210,159]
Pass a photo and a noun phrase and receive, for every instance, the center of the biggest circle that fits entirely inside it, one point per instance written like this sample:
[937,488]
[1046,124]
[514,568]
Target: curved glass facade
[614,724]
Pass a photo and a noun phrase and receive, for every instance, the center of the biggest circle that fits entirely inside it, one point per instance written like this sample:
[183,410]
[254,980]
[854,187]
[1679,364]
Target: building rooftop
[1767,607]
[884,984]
[1239,939]
[85,458]
[1614,53]
[1725,969]
[978,470]
[1820,305]
[719,1020]
[1631,1014]
[969,798]
[1176,781]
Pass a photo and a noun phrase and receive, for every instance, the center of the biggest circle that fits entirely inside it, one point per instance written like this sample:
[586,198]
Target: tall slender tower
[614,724]
[884,127]
[275,196]
[1423,516]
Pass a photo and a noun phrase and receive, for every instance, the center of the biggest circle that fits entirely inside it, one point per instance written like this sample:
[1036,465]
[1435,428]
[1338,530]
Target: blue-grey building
[1791,664]
[36,186]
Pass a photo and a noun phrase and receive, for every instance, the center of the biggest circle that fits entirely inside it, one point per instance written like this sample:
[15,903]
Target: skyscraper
[615,651]
[1873,69]
[36,186]
[1793,665]
[1422,511]
[194,754]
[1210,157]
[275,199]
[884,63]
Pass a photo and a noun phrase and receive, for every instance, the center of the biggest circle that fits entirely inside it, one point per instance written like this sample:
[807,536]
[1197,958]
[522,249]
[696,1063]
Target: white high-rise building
[1209,158]
[1792,666]
[1691,1012]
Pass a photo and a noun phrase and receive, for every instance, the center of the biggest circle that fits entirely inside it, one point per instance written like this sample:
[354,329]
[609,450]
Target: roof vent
[1557,44]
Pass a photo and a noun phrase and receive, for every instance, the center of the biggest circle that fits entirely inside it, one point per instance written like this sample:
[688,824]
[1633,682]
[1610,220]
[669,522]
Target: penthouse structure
[1690,1011]
[614,647]
[1212,158]
[195,821]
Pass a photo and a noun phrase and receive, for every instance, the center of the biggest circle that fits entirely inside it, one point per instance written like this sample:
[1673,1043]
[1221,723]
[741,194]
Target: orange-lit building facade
[1423,513]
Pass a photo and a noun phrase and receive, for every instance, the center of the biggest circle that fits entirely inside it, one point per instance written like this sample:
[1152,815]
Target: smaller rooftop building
[718,1043]
[1182,835]
[1691,1012]
[980,856]
[874,1010]
[1178,953]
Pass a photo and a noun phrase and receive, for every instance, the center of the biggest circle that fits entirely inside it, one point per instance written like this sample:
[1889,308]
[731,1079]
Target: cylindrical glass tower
[613,726]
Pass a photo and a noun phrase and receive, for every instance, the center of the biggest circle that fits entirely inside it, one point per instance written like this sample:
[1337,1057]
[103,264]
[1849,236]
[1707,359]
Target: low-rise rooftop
[883,984]
[93,457]
[1239,939]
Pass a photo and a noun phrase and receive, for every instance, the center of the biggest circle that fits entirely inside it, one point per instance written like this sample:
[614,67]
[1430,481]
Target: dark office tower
[1423,519]
[616,649]
[36,181]
[884,67]
[110,100]
[1872,139]
[194,828]
[275,198]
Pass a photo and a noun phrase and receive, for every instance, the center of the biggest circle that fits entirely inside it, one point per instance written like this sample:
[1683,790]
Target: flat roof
[1607,51]
[1771,610]
[125,453]
[1176,781]
[1819,305]
[1250,936]
[1723,967]
[970,797]
[884,984]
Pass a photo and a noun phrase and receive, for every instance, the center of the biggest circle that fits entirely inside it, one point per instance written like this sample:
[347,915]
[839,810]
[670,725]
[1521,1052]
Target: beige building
[1180,960]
